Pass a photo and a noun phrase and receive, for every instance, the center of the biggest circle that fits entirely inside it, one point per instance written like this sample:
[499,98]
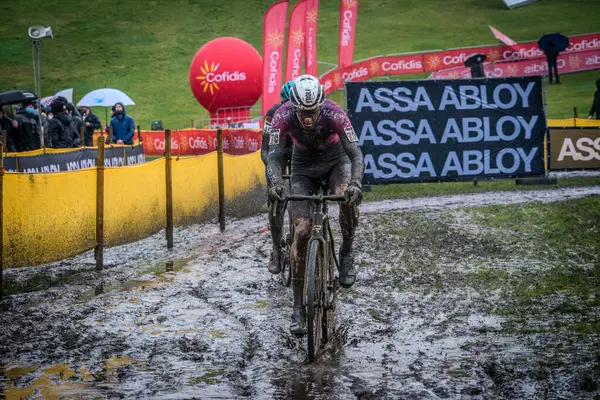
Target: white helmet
[307,93]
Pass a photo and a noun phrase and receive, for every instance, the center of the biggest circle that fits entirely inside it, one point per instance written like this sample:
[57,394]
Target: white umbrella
[106,97]
[66,93]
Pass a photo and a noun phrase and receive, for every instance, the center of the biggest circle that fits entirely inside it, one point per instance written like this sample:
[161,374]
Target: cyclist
[275,226]
[325,148]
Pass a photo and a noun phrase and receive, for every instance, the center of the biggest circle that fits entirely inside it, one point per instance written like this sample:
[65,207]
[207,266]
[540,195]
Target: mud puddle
[424,321]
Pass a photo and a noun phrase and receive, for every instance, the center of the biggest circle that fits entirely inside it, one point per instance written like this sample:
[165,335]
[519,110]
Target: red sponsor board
[567,63]
[451,62]
[367,69]
[202,141]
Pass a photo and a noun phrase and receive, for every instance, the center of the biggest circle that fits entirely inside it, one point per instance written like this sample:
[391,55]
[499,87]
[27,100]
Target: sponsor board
[416,131]
[576,148]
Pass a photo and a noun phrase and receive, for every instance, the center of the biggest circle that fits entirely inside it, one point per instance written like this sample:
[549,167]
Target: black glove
[278,192]
[353,194]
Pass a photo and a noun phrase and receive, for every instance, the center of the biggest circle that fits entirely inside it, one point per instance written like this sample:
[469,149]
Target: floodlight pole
[37,44]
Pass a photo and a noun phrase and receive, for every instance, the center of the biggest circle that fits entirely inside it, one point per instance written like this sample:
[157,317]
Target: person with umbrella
[552,44]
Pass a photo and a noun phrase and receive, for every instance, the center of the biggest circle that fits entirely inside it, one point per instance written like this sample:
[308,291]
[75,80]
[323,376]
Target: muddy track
[207,321]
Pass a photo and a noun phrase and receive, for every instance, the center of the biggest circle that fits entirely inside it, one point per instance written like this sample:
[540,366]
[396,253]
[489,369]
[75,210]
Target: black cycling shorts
[307,178]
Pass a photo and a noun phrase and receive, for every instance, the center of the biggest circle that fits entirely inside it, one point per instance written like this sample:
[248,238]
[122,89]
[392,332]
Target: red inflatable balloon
[226,72]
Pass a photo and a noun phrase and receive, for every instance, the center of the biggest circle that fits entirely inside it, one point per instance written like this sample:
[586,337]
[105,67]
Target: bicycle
[320,285]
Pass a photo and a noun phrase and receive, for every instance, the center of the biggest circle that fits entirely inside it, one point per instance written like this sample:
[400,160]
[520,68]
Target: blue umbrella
[561,41]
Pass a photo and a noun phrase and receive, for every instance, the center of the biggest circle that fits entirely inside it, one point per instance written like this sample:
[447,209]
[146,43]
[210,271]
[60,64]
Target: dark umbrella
[16,96]
[561,41]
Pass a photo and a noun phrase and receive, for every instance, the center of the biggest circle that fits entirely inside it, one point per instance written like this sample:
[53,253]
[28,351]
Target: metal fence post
[100,205]
[169,186]
[221,179]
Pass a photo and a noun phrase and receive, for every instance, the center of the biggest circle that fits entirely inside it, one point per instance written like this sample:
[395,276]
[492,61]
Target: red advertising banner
[273,31]
[367,69]
[202,141]
[295,41]
[348,14]
[567,63]
[449,64]
[310,43]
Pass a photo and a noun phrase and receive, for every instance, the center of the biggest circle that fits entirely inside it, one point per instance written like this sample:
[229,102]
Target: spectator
[91,122]
[596,103]
[61,127]
[122,125]
[551,52]
[77,124]
[26,129]
[49,116]
[5,126]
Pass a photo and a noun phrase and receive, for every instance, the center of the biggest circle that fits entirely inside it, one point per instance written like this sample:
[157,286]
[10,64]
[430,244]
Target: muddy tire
[285,276]
[315,298]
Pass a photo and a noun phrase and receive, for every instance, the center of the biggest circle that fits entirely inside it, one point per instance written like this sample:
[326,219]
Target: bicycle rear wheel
[286,248]
[315,293]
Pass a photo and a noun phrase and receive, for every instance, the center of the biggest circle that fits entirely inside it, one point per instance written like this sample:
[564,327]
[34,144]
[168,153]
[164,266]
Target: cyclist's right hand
[278,192]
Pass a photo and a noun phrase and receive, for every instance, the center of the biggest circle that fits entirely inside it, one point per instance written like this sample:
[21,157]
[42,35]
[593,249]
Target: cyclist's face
[308,119]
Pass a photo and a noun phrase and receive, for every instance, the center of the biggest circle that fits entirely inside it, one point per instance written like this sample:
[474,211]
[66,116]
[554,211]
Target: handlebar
[318,198]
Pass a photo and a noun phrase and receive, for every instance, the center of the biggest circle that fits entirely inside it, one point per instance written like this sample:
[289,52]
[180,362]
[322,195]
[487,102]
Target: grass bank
[145,48]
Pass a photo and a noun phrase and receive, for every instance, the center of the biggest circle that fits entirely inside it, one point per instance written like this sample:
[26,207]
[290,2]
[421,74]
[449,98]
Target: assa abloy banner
[418,131]
[574,148]
[78,159]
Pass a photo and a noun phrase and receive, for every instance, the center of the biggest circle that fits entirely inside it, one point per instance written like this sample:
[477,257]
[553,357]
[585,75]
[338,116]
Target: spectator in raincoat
[5,126]
[26,129]
[596,103]
[61,128]
[91,123]
[122,125]
[78,124]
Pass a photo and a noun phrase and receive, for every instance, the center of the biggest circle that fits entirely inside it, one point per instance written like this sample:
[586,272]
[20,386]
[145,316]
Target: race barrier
[56,215]
[574,148]
[58,160]
[420,131]
[438,60]
[203,141]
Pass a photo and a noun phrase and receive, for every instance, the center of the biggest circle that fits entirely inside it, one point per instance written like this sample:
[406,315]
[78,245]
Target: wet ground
[427,318]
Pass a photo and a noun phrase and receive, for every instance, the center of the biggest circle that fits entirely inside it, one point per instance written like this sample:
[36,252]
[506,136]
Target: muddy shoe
[298,322]
[275,262]
[347,272]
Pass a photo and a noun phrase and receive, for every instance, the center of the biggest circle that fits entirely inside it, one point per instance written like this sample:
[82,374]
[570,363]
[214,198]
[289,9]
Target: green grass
[145,48]
[563,236]
[412,190]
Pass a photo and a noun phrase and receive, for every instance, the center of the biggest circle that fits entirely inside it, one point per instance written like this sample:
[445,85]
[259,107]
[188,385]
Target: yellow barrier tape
[245,184]
[48,217]
[195,190]
[134,202]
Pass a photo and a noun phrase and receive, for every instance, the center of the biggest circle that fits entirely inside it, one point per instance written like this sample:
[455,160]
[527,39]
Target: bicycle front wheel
[315,298]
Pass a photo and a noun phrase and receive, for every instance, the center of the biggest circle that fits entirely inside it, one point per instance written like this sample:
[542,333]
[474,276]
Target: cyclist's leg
[301,215]
[339,179]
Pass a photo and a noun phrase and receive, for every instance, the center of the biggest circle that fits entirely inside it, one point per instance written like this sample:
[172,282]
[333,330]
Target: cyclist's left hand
[354,195]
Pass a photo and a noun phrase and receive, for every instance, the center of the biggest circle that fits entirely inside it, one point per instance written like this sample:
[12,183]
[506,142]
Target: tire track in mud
[218,327]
